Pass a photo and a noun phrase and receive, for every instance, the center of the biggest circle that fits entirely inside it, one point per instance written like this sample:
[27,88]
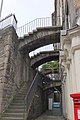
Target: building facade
[70,54]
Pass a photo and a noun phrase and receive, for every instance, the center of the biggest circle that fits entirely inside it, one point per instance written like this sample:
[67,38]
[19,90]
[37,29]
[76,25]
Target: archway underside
[44,60]
[34,44]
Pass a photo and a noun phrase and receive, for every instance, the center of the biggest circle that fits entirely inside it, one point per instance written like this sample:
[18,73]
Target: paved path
[51,115]
[43,117]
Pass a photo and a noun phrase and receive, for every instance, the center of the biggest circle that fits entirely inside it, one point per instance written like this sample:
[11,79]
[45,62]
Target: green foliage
[50,65]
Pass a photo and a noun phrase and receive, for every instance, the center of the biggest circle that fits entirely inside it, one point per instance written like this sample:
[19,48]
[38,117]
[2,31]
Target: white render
[70,61]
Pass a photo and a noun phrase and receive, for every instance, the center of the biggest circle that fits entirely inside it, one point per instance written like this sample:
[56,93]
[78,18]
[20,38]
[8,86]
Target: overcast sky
[27,10]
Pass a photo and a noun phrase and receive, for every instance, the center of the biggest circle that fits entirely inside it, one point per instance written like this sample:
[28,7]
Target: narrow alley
[40,64]
[51,115]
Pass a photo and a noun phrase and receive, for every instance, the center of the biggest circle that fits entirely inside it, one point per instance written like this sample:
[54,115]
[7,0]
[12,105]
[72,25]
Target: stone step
[23,89]
[20,104]
[30,33]
[16,107]
[18,101]
[13,114]
[19,98]
[12,118]
[34,31]
[19,95]
[10,110]
[22,92]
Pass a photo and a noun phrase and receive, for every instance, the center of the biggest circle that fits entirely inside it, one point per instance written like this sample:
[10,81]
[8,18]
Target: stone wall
[9,60]
[71,12]
[39,104]
[77,3]
[14,67]
[58,12]
[28,72]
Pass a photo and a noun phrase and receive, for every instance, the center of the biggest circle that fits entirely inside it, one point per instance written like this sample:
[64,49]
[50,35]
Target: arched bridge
[55,83]
[43,57]
[40,37]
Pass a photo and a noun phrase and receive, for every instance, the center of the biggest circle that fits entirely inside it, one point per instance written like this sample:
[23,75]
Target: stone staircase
[16,109]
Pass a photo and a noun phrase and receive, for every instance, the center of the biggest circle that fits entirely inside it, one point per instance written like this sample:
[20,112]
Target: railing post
[29,96]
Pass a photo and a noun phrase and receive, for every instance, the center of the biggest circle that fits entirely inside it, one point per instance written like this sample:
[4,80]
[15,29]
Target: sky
[27,10]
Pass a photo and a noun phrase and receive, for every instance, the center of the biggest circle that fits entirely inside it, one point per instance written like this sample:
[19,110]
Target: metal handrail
[29,96]
[38,22]
[10,20]
[29,27]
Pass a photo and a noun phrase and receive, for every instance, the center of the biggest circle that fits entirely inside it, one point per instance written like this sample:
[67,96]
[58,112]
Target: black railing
[30,95]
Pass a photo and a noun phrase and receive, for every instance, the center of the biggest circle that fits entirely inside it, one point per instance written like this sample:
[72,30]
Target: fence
[8,21]
[29,27]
